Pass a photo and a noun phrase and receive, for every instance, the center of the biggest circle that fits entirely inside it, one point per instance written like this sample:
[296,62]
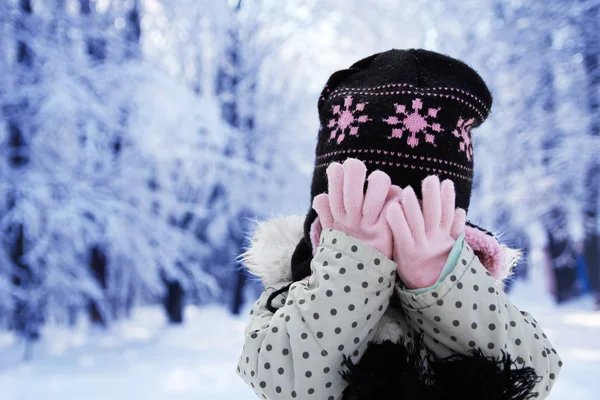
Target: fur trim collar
[274,242]
[271,249]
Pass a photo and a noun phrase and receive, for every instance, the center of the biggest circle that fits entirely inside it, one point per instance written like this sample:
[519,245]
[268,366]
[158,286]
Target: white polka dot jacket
[351,331]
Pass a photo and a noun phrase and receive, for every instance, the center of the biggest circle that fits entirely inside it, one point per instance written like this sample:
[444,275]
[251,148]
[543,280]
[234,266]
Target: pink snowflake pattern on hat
[345,120]
[462,131]
[414,122]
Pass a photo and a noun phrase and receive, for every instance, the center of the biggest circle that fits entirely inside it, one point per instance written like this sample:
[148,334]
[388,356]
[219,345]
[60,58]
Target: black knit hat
[408,113]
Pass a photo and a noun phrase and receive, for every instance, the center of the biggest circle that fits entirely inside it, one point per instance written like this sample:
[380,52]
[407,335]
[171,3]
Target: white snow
[144,358]
[575,333]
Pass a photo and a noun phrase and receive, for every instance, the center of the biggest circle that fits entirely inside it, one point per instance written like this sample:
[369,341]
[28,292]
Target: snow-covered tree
[88,214]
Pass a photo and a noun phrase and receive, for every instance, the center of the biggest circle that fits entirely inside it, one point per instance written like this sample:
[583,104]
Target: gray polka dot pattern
[344,305]
[475,314]
[325,319]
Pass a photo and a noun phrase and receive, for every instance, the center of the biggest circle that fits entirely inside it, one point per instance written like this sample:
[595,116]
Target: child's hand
[346,208]
[423,238]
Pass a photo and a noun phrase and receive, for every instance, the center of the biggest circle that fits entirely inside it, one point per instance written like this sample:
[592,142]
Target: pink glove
[346,208]
[423,239]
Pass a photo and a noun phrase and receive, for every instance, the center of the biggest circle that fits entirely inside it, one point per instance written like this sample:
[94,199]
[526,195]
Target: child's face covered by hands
[417,235]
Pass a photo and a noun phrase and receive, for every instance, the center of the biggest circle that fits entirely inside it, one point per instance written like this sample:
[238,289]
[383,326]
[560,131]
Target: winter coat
[352,331]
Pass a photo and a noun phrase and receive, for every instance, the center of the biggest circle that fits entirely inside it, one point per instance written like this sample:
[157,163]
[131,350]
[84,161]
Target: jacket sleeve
[467,312]
[298,351]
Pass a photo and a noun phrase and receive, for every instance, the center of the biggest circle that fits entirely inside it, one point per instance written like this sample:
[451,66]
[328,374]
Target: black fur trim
[475,376]
[388,371]
[407,371]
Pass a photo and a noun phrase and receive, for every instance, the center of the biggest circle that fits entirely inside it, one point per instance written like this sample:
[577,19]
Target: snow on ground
[139,359]
[146,359]
[574,331]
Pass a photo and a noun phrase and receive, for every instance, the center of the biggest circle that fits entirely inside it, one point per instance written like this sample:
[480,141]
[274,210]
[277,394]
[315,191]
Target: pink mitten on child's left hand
[424,237]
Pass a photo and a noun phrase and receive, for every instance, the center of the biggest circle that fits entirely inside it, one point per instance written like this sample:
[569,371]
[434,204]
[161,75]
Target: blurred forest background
[141,139]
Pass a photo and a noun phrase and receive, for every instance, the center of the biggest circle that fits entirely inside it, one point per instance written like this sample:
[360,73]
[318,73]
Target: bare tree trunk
[174,301]
[591,26]
[236,87]
[238,229]
[95,47]
[98,267]
[560,245]
[26,319]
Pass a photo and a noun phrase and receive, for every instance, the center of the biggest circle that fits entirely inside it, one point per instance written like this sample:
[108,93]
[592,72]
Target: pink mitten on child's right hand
[348,209]
[424,236]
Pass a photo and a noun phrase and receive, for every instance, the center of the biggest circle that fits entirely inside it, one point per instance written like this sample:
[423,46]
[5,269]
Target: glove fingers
[432,204]
[377,192]
[448,197]
[335,181]
[397,222]
[323,208]
[394,194]
[413,214]
[355,173]
[458,225]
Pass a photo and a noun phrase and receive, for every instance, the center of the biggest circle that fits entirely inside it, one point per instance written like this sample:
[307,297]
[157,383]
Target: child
[387,293]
